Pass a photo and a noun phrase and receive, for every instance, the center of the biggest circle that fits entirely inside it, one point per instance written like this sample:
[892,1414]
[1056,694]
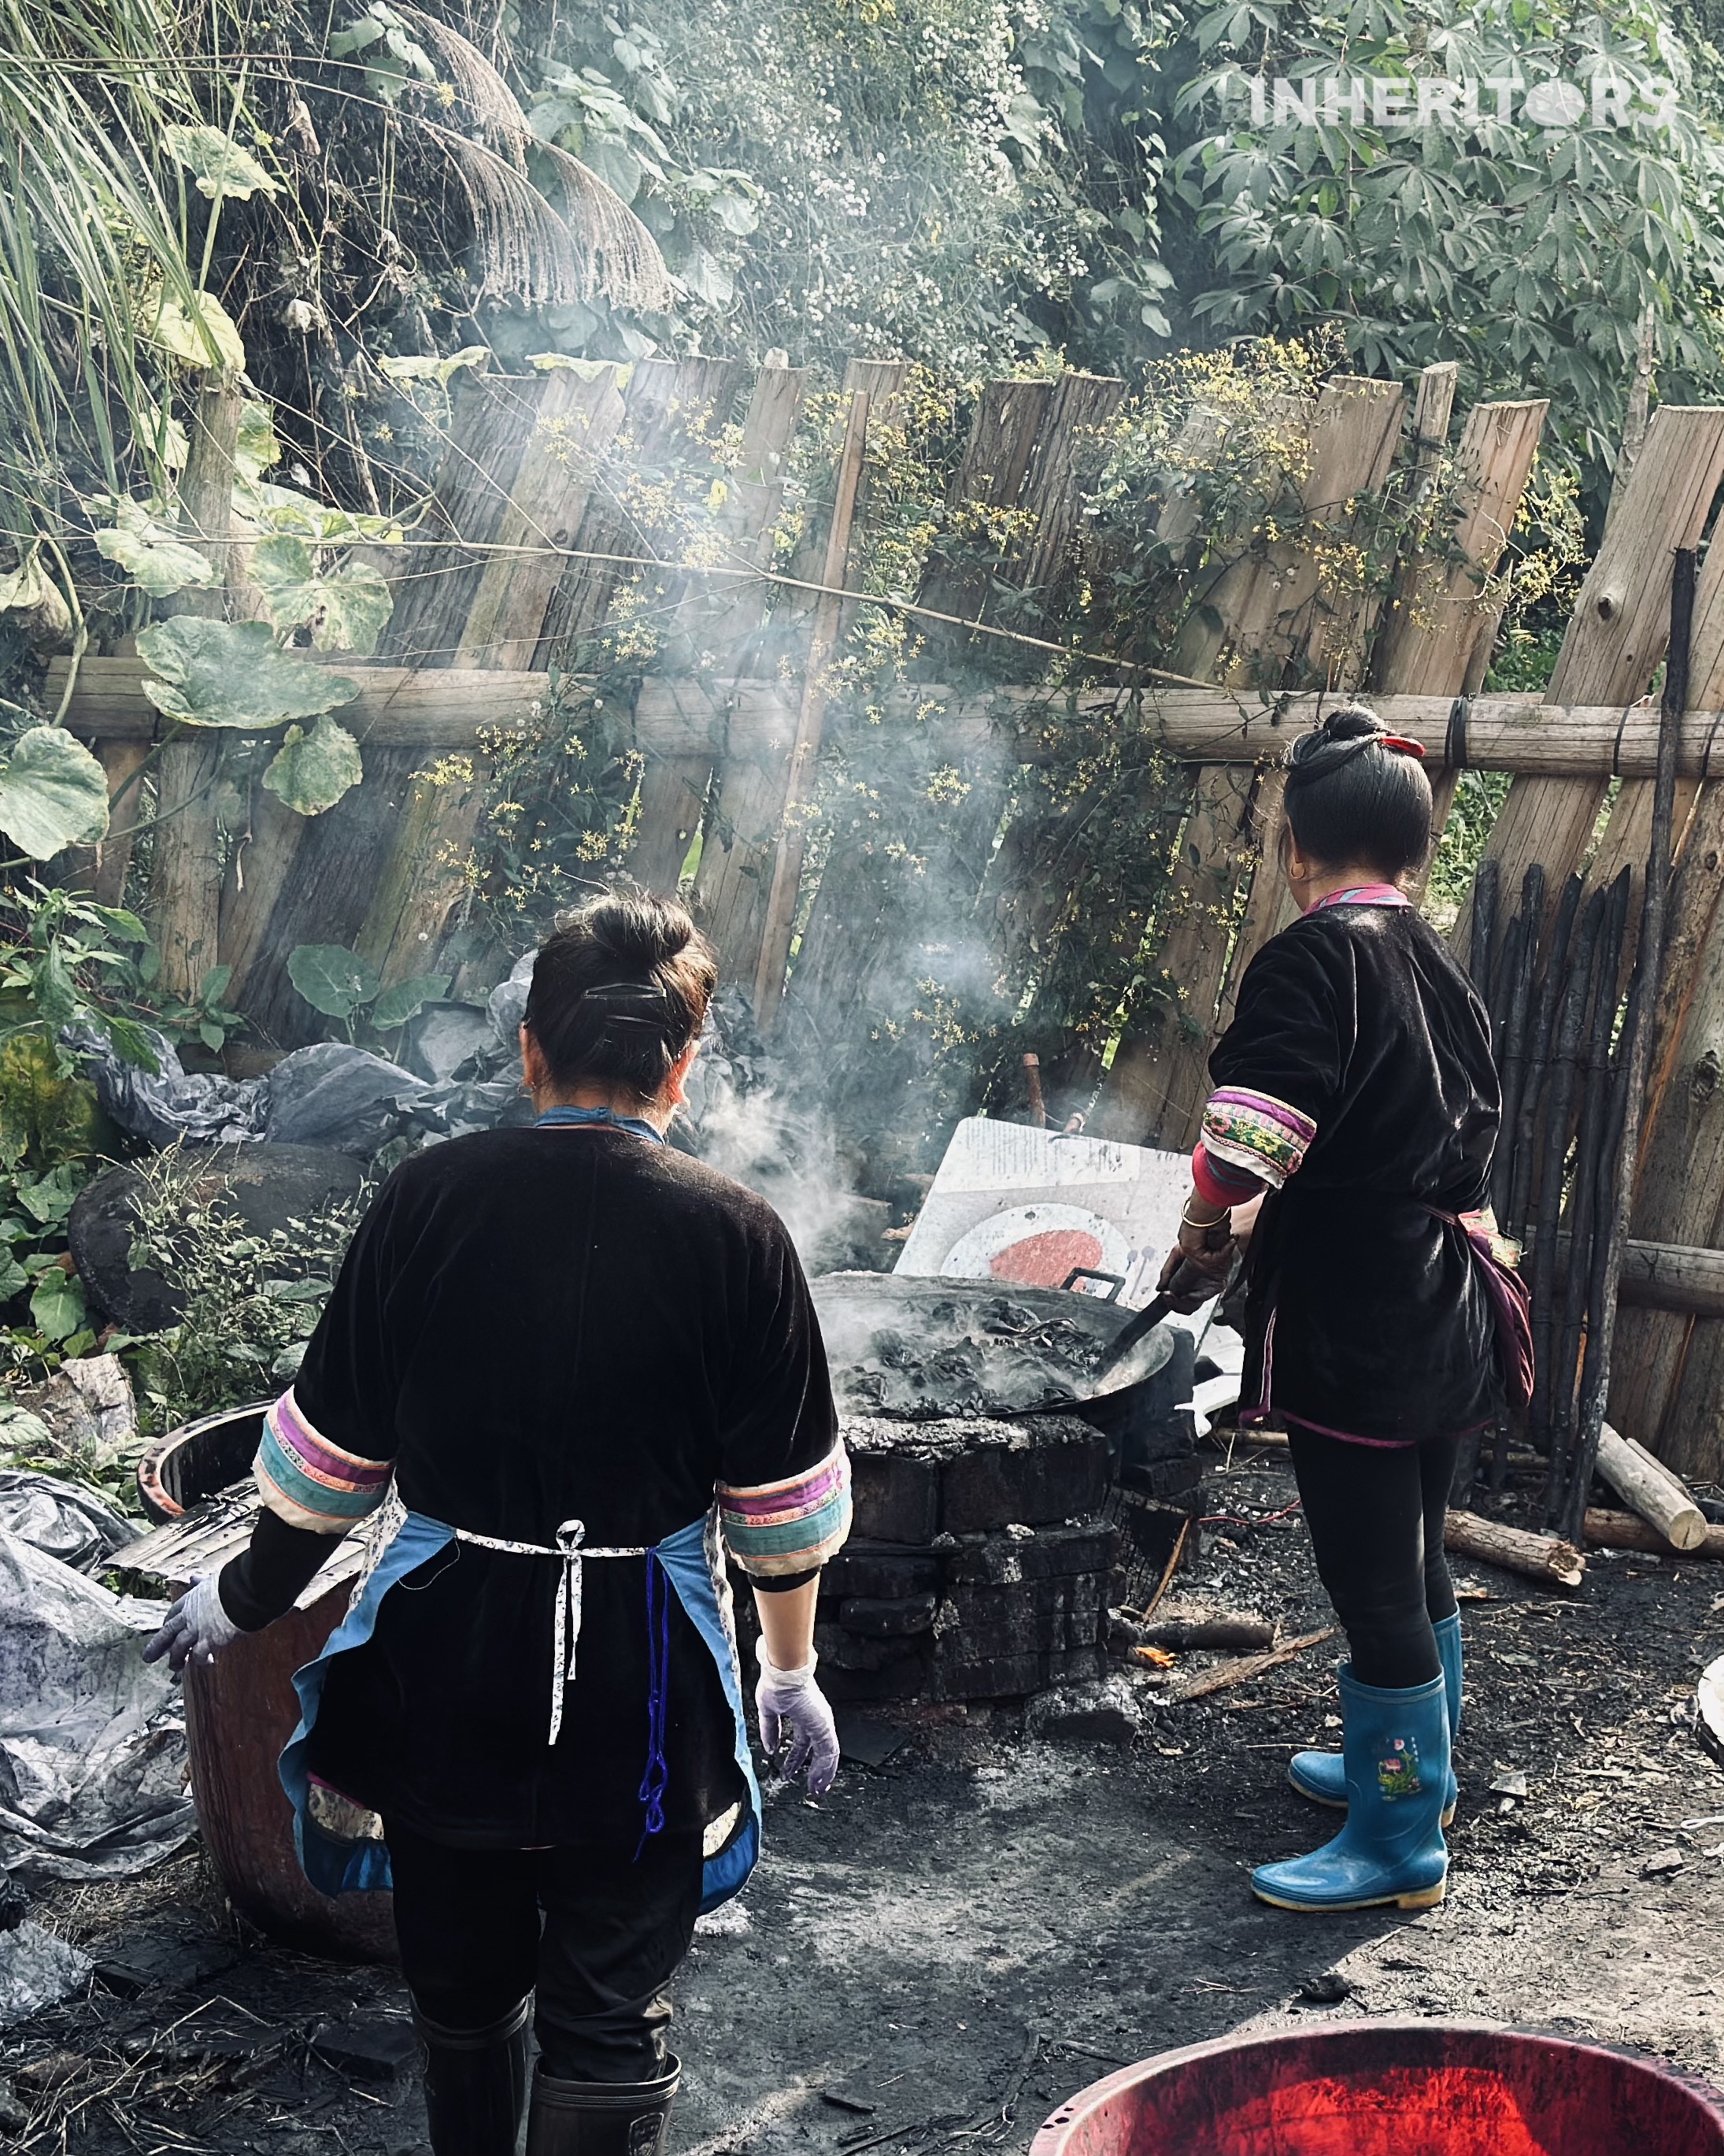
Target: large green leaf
[406,999]
[312,771]
[285,509]
[332,980]
[152,553]
[52,793]
[257,450]
[57,1308]
[347,610]
[219,167]
[200,331]
[29,589]
[233,674]
[433,369]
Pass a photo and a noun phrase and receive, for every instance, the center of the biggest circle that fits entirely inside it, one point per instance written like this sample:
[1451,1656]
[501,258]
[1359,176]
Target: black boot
[475,2084]
[601,2118]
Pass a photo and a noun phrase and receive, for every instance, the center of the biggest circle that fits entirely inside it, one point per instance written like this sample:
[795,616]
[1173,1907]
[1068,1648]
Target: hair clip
[1402,745]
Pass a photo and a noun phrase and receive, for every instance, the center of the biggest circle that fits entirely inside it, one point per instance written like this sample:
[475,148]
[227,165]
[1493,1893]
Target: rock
[1666,1861]
[36,1970]
[1104,1712]
[268,1186]
[1328,1989]
[1511,1784]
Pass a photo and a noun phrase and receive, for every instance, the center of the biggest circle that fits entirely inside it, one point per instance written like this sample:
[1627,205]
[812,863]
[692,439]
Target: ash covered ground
[933,1958]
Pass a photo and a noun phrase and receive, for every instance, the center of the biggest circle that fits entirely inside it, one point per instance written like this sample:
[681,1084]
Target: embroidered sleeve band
[791,1526]
[1257,1132]
[311,1483]
[1217,1183]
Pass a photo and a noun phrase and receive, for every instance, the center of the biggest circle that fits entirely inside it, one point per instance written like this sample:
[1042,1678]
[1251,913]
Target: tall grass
[92,225]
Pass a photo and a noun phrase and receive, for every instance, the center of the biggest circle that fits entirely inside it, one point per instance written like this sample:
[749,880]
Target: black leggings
[1376,1515]
[597,1933]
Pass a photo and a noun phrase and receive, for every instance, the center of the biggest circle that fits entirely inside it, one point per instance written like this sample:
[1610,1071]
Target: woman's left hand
[195,1629]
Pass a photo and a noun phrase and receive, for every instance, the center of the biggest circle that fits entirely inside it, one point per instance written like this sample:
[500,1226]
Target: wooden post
[805,748]
[185,884]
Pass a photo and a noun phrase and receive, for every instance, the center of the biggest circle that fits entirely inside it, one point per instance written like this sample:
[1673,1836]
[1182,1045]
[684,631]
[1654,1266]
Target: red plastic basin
[1392,2088]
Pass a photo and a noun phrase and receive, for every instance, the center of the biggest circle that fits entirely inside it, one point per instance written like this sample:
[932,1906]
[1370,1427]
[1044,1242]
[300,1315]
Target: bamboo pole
[786,862]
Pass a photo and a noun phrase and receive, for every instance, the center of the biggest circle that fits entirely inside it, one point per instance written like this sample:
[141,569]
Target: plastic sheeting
[332,1094]
[62,1519]
[92,1745]
[37,1970]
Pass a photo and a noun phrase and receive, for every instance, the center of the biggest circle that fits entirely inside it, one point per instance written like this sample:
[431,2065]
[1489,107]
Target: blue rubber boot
[1321,1776]
[1396,1750]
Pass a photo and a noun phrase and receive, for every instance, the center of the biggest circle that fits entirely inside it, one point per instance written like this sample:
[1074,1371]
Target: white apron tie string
[571,1547]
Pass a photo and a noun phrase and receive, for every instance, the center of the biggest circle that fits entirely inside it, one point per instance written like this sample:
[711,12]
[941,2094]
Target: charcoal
[1057,1552]
[897,1496]
[379,2049]
[975,1624]
[885,1571]
[1016,1677]
[839,1649]
[887,1620]
[1051,1467]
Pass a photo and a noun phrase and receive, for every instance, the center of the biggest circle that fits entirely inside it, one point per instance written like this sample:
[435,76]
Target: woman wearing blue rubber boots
[1355,1088]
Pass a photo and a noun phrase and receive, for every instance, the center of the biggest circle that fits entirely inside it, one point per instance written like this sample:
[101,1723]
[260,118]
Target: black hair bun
[1343,734]
[640,933]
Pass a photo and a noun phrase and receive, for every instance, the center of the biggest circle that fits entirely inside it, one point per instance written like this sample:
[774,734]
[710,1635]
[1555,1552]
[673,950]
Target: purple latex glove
[196,1629]
[790,1700]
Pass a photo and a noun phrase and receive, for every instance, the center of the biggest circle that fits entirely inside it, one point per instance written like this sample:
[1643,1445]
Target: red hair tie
[1402,745]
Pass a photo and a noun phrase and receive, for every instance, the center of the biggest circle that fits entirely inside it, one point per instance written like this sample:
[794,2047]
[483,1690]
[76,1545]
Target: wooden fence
[533,554]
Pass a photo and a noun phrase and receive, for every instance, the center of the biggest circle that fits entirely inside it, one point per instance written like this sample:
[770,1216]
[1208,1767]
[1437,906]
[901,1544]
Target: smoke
[746,1118]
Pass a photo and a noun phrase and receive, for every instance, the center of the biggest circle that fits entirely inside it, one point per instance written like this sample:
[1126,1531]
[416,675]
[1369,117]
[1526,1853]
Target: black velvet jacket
[538,1326]
[1364,1317]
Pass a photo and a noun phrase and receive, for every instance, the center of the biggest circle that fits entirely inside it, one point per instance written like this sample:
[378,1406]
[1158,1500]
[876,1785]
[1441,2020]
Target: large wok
[919,1348]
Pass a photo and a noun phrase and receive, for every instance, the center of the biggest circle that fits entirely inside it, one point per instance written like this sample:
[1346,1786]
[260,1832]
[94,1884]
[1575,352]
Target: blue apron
[337,1861]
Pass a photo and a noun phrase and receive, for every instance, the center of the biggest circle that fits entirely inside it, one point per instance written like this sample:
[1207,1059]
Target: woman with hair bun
[1355,1088]
[567,1368]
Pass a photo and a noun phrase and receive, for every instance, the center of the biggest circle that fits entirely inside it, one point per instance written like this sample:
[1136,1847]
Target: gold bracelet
[1186,1220]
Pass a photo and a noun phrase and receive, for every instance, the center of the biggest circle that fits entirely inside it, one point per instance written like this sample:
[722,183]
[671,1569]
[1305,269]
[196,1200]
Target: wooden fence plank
[1616,638]
[725,621]
[1263,616]
[1442,626]
[874,929]
[1679,1193]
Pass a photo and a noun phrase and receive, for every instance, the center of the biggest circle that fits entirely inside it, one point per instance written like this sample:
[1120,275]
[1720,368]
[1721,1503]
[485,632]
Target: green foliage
[343,985]
[1478,801]
[250,1301]
[233,674]
[1527,252]
[310,772]
[346,611]
[52,793]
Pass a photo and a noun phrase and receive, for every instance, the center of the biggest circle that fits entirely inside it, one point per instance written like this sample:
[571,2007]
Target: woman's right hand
[790,1702]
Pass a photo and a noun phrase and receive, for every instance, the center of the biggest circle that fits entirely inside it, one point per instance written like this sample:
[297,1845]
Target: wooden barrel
[241,1712]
